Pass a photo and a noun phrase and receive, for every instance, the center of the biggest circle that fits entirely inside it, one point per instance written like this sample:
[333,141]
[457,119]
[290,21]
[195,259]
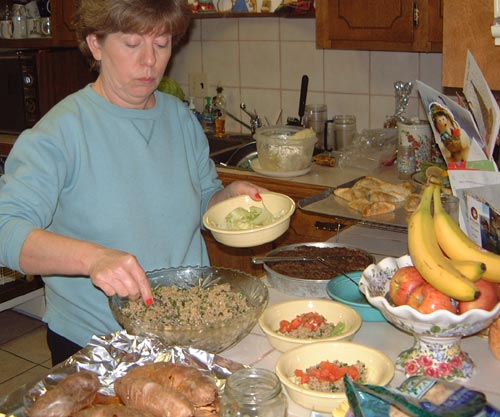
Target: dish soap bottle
[192,107]
[207,119]
[220,113]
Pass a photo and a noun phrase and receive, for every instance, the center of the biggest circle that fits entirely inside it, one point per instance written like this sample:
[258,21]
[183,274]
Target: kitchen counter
[256,351]
[322,176]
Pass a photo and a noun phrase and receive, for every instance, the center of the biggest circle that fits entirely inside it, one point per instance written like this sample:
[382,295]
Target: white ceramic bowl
[280,205]
[333,311]
[380,370]
[437,334]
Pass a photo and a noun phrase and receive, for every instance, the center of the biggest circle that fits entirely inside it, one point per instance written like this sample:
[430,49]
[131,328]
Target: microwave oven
[32,81]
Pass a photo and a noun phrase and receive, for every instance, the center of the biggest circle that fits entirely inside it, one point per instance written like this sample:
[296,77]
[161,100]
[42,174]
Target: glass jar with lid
[253,392]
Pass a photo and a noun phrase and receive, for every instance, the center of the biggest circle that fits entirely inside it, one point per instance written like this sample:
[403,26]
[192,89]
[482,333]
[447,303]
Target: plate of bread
[369,200]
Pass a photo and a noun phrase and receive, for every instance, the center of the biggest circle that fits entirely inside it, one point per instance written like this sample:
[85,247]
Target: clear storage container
[285,148]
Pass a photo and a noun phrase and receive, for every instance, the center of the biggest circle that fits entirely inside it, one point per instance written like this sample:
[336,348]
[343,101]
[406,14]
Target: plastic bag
[370,149]
[418,396]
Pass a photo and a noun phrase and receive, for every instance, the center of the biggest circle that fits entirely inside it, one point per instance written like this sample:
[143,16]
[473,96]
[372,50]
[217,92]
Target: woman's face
[132,65]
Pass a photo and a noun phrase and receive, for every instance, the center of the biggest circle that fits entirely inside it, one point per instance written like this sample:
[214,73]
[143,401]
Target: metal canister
[343,127]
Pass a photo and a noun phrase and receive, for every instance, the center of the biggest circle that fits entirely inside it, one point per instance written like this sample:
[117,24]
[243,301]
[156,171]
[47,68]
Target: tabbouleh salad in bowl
[207,308]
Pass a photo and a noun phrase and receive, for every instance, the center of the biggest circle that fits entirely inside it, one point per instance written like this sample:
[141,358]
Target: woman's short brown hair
[103,17]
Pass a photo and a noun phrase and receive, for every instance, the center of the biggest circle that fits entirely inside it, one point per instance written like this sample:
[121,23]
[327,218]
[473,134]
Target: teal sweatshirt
[135,180]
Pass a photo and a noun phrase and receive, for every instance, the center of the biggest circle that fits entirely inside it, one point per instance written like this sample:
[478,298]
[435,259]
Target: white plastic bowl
[380,370]
[279,205]
[333,311]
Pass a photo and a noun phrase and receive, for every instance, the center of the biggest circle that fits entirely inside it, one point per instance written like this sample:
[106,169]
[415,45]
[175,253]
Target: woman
[114,180]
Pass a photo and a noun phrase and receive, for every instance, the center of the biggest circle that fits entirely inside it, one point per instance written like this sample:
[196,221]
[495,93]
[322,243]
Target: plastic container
[280,149]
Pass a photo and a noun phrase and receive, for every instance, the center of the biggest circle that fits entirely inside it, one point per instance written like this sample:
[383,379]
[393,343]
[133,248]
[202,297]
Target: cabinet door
[390,25]
[467,27]
[62,21]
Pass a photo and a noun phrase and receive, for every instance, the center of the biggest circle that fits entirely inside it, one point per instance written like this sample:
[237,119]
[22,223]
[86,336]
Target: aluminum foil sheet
[110,357]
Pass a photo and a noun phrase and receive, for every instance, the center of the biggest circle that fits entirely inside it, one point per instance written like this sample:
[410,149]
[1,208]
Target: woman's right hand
[111,270]
[119,273]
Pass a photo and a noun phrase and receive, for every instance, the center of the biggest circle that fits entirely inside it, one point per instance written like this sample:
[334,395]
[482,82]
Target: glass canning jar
[253,392]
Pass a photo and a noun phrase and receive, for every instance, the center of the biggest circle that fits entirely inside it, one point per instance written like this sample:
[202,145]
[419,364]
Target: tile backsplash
[260,61]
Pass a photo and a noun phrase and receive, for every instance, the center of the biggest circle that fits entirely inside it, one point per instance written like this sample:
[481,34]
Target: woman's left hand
[237,188]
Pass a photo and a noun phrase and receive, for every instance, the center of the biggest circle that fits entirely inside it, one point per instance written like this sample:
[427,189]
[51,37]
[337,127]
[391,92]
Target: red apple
[426,299]
[403,282]
[487,300]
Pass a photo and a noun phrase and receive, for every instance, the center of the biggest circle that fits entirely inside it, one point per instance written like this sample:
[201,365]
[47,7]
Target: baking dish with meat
[310,278]
[206,308]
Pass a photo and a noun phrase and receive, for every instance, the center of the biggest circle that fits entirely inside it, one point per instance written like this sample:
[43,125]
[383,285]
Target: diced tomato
[296,323]
[285,326]
[327,371]
[353,373]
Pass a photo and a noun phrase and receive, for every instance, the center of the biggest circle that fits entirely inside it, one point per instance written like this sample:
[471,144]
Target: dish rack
[17,288]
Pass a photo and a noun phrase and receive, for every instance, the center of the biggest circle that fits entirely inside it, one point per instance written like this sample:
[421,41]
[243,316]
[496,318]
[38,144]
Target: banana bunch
[458,246]
[453,278]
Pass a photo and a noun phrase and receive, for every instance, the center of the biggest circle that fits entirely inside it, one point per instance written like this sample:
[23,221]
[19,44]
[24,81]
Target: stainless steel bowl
[303,287]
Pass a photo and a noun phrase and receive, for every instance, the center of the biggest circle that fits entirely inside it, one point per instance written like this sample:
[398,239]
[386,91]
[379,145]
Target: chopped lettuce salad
[243,219]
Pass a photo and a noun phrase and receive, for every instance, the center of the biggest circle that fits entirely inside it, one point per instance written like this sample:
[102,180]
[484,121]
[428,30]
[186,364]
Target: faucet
[255,121]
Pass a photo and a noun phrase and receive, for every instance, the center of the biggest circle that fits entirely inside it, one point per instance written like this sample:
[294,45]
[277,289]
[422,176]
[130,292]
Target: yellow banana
[457,245]
[473,270]
[428,258]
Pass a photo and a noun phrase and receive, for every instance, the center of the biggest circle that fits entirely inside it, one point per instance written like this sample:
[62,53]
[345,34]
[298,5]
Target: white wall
[260,61]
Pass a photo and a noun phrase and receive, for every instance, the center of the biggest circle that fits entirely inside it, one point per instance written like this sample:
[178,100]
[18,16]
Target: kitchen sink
[232,150]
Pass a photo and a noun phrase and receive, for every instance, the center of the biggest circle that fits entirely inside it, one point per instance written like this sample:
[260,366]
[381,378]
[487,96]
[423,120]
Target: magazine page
[454,128]
[482,104]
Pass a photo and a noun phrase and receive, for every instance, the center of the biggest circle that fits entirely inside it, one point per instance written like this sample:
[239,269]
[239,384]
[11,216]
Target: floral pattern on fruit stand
[437,348]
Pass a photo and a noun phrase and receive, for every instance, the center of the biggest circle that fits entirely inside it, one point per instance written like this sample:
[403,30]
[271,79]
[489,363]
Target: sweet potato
[112,410]
[145,394]
[73,393]
[201,389]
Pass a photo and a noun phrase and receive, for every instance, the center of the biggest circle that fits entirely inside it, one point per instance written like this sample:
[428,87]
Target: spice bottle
[253,392]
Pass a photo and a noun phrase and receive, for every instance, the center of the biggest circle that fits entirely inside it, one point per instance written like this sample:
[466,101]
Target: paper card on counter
[482,186]
[482,215]
[454,128]
[482,104]
[465,136]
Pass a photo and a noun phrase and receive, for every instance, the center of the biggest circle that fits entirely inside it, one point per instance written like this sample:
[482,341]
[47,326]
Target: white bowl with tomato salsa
[313,374]
[304,321]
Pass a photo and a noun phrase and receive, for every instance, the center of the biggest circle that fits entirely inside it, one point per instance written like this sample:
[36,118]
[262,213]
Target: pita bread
[359,205]
[412,202]
[377,208]
[377,196]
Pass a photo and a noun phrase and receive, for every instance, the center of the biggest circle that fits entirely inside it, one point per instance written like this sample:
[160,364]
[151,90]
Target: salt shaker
[253,392]
[406,161]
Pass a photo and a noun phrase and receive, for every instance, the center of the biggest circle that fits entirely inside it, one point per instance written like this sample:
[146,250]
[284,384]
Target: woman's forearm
[46,253]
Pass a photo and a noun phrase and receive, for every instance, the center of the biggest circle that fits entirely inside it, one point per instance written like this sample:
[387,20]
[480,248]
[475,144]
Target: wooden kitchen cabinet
[385,25]
[467,26]
[302,225]
[61,21]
